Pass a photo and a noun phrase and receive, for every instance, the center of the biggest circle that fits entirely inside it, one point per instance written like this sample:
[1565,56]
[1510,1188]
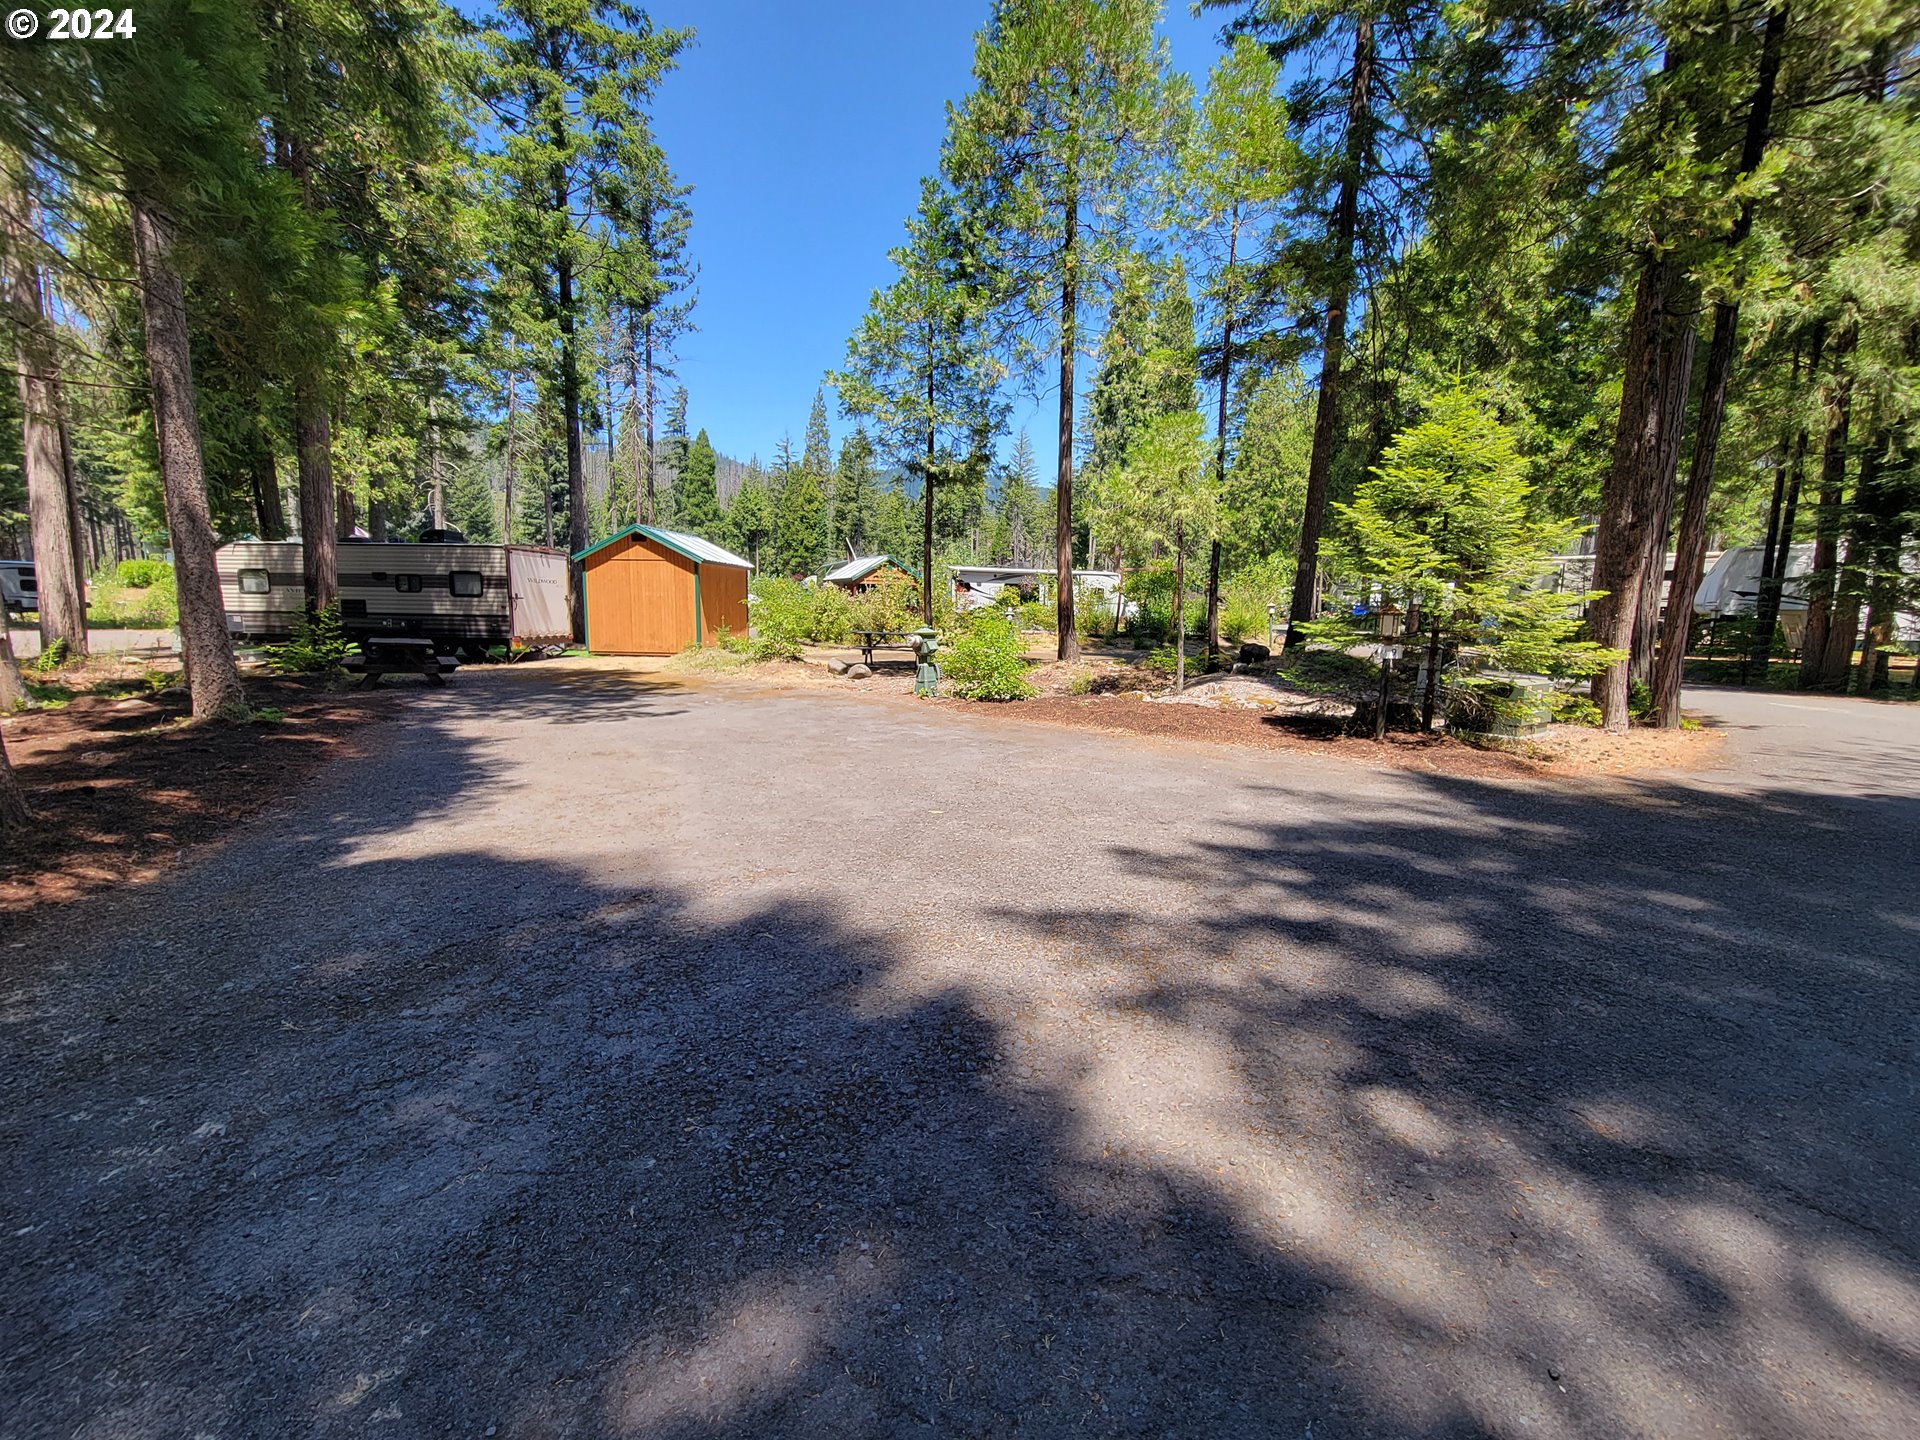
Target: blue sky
[804,127]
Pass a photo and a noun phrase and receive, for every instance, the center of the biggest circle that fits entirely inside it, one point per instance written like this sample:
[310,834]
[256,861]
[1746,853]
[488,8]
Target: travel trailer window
[465,582]
[254,582]
[407,584]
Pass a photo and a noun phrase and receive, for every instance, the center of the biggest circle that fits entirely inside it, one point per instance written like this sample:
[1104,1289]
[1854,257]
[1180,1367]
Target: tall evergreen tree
[1072,103]
[698,504]
[855,496]
[564,78]
[921,365]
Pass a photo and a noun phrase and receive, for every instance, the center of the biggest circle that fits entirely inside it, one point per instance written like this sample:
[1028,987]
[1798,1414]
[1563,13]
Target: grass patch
[708,660]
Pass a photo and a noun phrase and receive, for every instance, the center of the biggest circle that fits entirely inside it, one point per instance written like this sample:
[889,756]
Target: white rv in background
[262,588]
[465,598]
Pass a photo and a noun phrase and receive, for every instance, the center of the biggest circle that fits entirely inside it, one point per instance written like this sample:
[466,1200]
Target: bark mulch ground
[1565,750]
[121,784]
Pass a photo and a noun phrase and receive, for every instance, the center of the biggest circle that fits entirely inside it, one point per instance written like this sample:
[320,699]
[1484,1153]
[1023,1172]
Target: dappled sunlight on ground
[631,1059]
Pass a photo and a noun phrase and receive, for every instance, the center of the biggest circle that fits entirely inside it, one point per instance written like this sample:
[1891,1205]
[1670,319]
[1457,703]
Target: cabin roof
[701,552]
[851,572]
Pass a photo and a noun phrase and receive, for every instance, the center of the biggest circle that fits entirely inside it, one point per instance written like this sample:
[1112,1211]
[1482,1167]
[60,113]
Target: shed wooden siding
[639,599]
[723,601]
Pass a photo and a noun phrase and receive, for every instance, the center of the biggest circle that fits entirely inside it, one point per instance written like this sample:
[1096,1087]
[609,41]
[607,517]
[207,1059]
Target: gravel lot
[612,1058]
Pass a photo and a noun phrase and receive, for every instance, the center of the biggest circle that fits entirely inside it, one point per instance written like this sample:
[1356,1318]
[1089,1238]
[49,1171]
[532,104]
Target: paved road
[26,640]
[606,1059]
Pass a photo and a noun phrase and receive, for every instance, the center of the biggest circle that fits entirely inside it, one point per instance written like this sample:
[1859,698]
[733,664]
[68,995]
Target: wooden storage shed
[655,592]
[868,572]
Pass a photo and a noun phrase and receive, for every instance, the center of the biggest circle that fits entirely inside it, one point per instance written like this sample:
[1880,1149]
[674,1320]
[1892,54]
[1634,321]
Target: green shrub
[140,574]
[1045,615]
[790,613]
[988,660]
[893,604]
[1572,707]
[51,658]
[134,595]
[318,643]
[1244,598]
[1161,660]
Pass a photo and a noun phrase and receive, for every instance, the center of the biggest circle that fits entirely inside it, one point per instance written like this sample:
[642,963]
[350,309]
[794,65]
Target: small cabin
[869,572]
[657,592]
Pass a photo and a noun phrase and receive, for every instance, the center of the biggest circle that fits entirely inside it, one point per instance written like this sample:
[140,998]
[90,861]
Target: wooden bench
[399,655]
[872,640]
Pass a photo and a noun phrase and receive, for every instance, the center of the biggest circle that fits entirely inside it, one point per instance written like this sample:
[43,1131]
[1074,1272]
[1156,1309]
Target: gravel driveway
[612,1059]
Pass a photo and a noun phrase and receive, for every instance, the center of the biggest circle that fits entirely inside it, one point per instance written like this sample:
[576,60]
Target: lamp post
[1391,623]
[1273,621]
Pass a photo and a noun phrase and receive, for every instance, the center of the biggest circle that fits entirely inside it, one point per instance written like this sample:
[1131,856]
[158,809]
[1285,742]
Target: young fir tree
[749,519]
[1072,106]
[698,503]
[1443,528]
[470,503]
[1021,521]
[1162,496]
[1236,167]
[855,496]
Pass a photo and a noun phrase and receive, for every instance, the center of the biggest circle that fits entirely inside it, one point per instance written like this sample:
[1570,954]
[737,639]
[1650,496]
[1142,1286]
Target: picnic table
[399,655]
[872,640]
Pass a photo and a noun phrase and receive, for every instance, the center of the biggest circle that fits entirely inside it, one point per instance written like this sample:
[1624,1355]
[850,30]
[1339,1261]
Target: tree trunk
[926,518]
[13,690]
[319,518]
[653,465]
[1069,642]
[1430,701]
[14,814]
[271,513]
[1631,514]
[205,647]
[513,411]
[436,482]
[51,507]
[1220,438]
[1690,550]
[1179,608]
[1333,344]
[576,461]
[1822,581]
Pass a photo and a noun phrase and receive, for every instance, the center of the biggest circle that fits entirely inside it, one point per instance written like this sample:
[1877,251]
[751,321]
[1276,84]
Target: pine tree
[855,496]
[470,503]
[749,519]
[1072,105]
[1163,496]
[1022,519]
[698,503]
[1443,527]
[675,443]
[1236,167]
[922,366]
[800,523]
[564,80]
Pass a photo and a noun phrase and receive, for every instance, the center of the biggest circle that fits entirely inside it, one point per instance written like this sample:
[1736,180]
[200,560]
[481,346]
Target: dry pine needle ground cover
[120,784]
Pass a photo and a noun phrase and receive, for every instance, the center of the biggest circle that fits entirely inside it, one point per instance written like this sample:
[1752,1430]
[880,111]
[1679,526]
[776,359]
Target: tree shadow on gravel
[1493,1113]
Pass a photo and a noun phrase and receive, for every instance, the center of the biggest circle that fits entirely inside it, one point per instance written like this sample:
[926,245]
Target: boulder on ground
[837,667]
[858,672]
[1254,653]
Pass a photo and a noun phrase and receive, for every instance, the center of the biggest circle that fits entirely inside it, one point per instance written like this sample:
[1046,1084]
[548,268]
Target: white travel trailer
[464,598]
[19,590]
[261,588]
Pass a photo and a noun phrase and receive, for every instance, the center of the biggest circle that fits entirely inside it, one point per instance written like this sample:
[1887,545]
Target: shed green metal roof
[701,552]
